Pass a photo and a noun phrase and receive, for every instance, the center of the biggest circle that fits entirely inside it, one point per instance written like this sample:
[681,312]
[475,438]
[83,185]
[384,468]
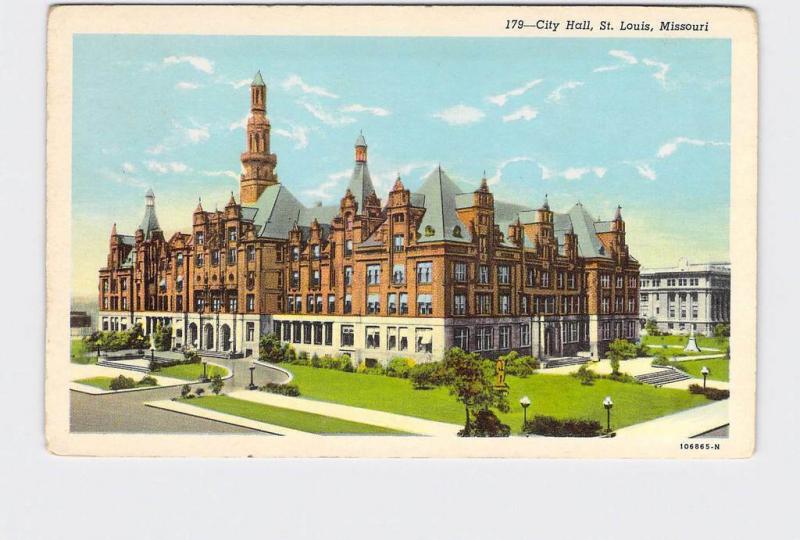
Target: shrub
[521,366]
[342,363]
[122,383]
[315,362]
[722,330]
[217,384]
[162,337]
[185,389]
[427,375]
[400,367]
[621,377]
[374,370]
[585,375]
[191,357]
[714,394]
[147,380]
[486,424]
[554,427]
[282,389]
[200,392]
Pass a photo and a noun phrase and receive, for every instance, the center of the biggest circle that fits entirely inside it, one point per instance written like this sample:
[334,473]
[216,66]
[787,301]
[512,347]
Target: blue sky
[644,123]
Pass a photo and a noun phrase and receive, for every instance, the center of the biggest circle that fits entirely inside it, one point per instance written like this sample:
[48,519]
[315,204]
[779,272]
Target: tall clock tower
[257,161]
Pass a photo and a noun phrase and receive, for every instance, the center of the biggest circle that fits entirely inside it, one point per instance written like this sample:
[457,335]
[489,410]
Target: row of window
[605,281]
[618,329]
[619,305]
[200,237]
[672,282]
[216,303]
[199,258]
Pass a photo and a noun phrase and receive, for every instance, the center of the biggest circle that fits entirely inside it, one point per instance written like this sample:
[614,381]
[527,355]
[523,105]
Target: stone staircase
[225,355]
[663,376]
[564,361]
[122,365]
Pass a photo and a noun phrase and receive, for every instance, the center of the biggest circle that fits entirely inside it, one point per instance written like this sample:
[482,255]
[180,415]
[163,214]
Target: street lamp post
[525,401]
[205,374]
[705,371]
[607,403]
[252,384]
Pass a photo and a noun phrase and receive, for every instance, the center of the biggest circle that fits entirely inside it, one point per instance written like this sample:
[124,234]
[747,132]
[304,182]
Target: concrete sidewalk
[87,371]
[354,414]
[684,424]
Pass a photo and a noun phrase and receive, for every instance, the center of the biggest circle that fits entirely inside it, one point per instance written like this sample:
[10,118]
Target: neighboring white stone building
[686,296]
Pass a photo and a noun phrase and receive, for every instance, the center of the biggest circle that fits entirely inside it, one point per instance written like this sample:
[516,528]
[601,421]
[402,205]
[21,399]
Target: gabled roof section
[127,239]
[583,224]
[277,213]
[361,184]
[440,219]
[149,221]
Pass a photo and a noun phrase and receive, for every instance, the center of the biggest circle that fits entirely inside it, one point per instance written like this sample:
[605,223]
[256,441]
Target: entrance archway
[208,337]
[193,335]
[225,337]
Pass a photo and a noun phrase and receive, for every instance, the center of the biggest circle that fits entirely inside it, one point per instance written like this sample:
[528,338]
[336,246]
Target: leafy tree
[217,384]
[722,330]
[470,379]
[427,375]
[162,337]
[270,349]
[585,375]
[620,349]
[136,338]
[652,328]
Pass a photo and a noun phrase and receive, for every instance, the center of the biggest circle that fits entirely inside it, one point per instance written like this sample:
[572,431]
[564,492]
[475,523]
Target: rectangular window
[318,301]
[348,275]
[391,338]
[398,274]
[525,335]
[560,280]
[231,304]
[316,252]
[505,337]
[251,331]
[505,304]
[295,253]
[199,238]
[392,302]
[251,253]
[251,302]
[232,234]
[530,277]
[545,277]
[523,304]
[306,332]
[310,303]
[460,304]
[295,279]
[331,303]
[215,257]
[287,331]
[605,305]
[483,338]
[298,303]
[317,333]
[424,304]
[297,331]
[347,336]
[328,333]
[424,272]
[348,303]
[483,274]
[373,337]
[483,303]
[348,248]
[571,280]
[373,274]
[402,338]
[232,256]
[423,338]
[460,271]
[398,243]
[198,260]
[605,281]
[315,279]
[374,304]
[179,259]
[461,337]
[503,274]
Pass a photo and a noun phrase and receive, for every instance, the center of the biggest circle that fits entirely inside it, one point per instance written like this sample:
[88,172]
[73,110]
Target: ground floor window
[373,337]
[317,333]
[391,338]
[505,337]
[328,333]
[525,335]
[483,338]
[424,340]
[347,335]
[402,338]
[296,332]
[306,332]
[461,337]
[276,328]
[287,331]
[250,331]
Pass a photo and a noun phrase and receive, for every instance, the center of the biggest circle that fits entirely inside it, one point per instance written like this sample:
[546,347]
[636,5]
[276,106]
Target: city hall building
[687,297]
[412,276]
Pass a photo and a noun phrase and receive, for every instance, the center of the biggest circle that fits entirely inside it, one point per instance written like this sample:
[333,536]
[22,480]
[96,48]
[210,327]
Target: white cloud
[197,134]
[501,99]
[125,179]
[239,124]
[575,173]
[558,94]
[607,68]
[229,174]
[128,167]
[298,134]
[523,113]
[324,190]
[294,81]
[670,147]
[326,116]
[166,167]
[645,170]
[184,85]
[498,173]
[661,71]
[460,115]
[157,149]
[198,62]
[625,56]
[357,108]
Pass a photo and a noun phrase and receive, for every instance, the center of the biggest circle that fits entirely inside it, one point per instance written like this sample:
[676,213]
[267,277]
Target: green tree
[722,330]
[162,337]
[269,349]
[136,339]
[217,384]
[470,379]
[652,328]
[620,349]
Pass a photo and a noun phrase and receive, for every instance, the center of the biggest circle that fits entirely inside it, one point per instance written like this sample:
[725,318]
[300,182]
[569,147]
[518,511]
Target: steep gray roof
[149,221]
[278,211]
[127,239]
[440,209]
[258,80]
[583,224]
[249,213]
[361,184]
[323,214]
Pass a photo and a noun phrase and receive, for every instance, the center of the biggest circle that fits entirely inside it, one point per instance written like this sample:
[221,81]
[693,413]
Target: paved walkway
[684,424]
[81,371]
[399,422]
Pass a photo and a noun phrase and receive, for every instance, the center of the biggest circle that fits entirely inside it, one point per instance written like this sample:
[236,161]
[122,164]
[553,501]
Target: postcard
[386,231]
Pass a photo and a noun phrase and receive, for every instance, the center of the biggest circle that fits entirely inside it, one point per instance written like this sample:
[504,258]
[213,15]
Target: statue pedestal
[691,346]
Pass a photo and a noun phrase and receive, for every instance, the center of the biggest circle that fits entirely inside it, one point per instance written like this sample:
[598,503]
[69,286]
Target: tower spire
[257,161]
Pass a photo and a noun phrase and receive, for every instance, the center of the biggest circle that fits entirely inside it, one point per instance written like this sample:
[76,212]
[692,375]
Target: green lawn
[302,421]
[669,352]
[702,341]
[561,396]
[717,367]
[190,372]
[104,383]
[79,352]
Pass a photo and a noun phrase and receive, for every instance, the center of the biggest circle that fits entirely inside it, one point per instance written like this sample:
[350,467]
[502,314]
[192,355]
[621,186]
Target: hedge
[554,427]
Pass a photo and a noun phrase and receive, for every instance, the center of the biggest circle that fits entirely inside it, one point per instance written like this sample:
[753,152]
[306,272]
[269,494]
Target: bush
[585,375]
[374,370]
[342,363]
[553,427]
[185,390]
[621,377]
[147,380]
[520,366]
[400,367]
[217,384]
[722,330]
[486,424]
[190,357]
[427,375]
[282,389]
[714,394]
[200,392]
[122,383]
[315,361]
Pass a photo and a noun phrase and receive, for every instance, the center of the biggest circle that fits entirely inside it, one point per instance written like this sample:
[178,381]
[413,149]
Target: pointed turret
[231,201]
[618,213]
[114,230]
[361,148]
[484,183]
[149,221]
[258,80]
[199,205]
[258,162]
[546,203]
[361,185]
[398,184]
